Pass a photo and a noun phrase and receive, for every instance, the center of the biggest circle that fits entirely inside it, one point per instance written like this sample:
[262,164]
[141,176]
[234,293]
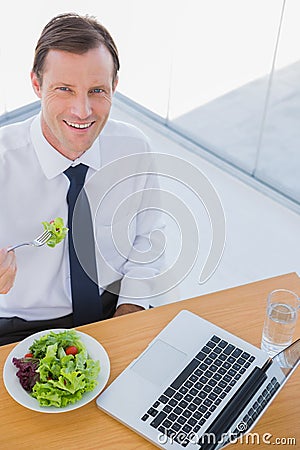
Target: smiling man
[44,161]
[76,95]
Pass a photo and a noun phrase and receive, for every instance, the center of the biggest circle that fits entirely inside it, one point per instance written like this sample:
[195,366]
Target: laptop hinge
[232,410]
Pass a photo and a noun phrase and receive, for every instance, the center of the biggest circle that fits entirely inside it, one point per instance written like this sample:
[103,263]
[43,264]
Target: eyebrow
[61,83]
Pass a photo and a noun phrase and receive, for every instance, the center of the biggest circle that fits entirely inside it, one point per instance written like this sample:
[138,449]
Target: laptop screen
[289,358]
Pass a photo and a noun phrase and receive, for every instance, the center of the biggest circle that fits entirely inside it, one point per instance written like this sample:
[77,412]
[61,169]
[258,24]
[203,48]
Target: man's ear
[115,84]
[36,84]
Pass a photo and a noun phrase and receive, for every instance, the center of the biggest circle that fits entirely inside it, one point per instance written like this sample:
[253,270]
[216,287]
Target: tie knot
[77,174]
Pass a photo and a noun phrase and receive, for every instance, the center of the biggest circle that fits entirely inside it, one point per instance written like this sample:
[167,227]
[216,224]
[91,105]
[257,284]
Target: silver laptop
[196,386]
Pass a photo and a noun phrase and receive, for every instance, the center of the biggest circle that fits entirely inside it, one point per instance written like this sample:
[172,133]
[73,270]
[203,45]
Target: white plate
[13,385]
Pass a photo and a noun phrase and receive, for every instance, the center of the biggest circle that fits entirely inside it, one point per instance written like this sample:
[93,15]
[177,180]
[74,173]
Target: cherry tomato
[72,350]
[29,355]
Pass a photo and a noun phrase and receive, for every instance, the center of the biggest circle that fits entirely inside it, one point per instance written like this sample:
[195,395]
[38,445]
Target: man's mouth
[80,126]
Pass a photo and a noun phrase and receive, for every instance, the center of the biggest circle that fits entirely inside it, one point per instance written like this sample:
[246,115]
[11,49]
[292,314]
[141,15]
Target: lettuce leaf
[58,230]
[27,372]
[63,340]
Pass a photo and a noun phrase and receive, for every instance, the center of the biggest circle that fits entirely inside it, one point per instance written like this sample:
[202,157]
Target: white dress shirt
[33,189]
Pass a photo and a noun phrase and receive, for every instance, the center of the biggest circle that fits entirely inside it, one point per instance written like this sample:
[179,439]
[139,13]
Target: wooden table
[239,310]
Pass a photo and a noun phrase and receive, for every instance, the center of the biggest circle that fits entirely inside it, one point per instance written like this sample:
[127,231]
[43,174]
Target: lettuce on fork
[58,230]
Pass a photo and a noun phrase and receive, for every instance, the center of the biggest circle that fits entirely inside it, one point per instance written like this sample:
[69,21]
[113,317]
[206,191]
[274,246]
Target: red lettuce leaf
[27,372]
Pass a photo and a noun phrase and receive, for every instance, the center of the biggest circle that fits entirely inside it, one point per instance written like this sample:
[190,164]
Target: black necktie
[87,305]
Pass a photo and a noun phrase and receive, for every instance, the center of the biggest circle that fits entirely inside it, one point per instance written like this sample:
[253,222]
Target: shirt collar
[54,163]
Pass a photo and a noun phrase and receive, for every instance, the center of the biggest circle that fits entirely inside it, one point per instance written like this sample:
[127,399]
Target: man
[75,74]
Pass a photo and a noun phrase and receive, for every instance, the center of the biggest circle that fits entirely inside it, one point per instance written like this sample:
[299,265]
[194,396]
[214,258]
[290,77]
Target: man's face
[76,95]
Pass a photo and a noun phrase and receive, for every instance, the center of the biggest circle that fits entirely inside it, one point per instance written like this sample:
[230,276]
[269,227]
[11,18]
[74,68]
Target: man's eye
[97,91]
[63,88]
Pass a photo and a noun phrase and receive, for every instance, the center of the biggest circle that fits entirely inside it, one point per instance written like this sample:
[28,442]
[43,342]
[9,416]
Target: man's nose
[81,106]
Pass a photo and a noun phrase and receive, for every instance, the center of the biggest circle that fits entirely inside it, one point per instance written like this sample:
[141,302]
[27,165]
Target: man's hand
[8,269]
[127,308]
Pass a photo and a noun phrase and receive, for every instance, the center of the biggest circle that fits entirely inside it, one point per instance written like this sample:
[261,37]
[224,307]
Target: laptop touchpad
[159,363]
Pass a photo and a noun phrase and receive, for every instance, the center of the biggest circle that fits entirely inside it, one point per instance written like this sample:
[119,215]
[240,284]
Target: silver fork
[37,242]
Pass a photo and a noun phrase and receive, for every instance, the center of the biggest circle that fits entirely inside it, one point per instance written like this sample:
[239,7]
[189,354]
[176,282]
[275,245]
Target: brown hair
[75,34]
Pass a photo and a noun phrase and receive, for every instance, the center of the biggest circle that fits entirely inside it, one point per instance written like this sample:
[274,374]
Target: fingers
[8,269]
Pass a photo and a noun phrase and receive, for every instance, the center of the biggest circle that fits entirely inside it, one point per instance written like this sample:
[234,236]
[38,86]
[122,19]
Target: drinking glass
[280,320]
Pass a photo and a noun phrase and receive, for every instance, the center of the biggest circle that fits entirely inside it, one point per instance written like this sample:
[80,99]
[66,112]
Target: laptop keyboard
[188,402]
[257,407]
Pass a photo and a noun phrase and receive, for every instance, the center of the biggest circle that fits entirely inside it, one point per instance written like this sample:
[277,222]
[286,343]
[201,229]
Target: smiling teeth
[79,125]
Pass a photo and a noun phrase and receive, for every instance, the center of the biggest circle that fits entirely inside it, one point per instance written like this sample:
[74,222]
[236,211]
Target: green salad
[58,230]
[57,371]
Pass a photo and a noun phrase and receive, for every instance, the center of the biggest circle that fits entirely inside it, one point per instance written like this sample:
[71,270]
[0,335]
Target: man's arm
[146,259]
[8,269]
